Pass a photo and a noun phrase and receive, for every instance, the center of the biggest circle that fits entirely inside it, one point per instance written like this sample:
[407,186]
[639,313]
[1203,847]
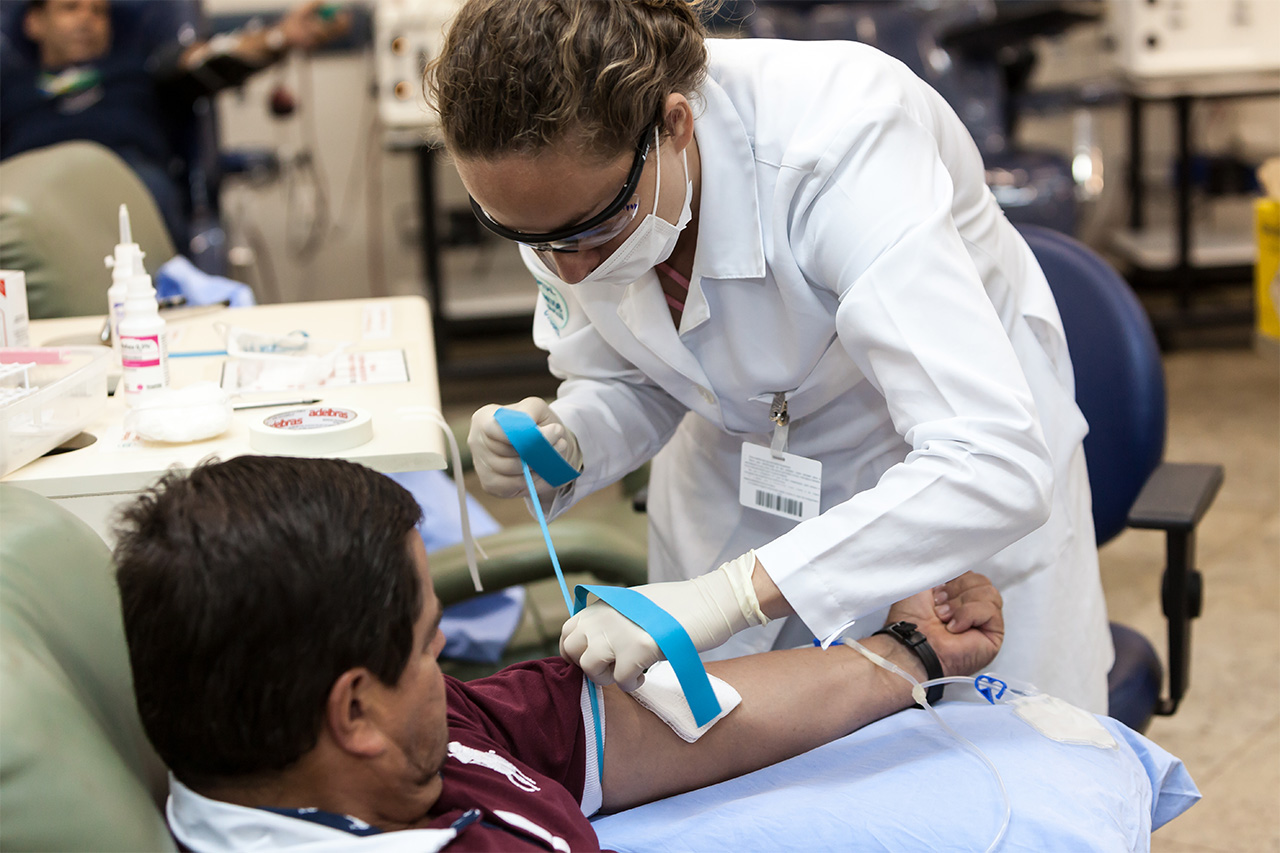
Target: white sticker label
[377,322]
[790,487]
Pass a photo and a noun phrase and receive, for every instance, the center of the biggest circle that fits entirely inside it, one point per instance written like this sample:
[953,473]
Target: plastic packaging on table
[47,395]
[291,360]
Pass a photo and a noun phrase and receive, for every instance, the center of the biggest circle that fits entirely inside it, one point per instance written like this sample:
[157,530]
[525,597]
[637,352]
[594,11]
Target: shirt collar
[211,826]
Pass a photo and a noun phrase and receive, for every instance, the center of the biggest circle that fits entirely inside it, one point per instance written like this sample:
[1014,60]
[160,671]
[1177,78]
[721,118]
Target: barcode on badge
[778,503]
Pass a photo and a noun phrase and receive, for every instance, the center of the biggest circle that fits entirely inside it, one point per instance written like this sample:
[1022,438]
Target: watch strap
[907,634]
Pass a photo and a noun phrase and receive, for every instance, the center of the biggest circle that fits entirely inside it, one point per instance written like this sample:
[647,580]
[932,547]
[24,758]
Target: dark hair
[516,76]
[248,587]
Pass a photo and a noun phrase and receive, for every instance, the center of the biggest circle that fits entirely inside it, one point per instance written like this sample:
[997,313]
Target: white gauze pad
[662,695]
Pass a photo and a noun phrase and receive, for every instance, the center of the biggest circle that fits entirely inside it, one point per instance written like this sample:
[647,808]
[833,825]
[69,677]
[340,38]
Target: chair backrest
[1119,376]
[59,218]
[76,770]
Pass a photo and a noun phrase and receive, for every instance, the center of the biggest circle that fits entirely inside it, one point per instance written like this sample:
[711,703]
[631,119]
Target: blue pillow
[902,783]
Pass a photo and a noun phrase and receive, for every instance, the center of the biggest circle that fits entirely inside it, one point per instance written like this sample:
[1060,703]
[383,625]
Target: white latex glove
[711,608]
[495,459]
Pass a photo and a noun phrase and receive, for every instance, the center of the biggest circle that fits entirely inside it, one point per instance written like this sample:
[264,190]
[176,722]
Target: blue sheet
[903,784]
[479,628]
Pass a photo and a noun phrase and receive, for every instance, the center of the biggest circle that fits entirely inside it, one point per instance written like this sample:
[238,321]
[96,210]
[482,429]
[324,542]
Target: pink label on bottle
[141,351]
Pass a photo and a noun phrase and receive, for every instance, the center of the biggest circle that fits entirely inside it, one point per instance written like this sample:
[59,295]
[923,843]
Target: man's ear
[33,24]
[351,713]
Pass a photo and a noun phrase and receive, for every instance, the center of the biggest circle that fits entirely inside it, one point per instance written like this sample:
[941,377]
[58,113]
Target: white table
[94,480]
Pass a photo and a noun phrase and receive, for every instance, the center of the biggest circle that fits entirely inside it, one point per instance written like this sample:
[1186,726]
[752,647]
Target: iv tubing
[470,546]
[918,693]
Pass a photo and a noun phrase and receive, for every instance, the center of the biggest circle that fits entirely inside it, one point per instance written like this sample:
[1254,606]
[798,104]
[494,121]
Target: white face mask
[651,243]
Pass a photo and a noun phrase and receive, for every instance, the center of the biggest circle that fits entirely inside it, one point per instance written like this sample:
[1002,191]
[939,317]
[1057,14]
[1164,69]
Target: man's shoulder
[516,676]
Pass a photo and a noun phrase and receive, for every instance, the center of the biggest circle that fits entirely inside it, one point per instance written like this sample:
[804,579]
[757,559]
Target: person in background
[283,634]
[92,79]
[775,269]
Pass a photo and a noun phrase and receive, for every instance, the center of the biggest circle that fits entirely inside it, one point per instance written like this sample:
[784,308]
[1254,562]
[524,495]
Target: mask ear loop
[657,181]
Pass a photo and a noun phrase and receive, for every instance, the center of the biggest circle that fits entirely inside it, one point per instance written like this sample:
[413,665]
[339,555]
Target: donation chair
[76,770]
[59,218]
[1120,390]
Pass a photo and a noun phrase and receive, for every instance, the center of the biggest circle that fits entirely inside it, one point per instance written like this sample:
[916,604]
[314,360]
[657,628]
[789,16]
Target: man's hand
[307,26]
[961,619]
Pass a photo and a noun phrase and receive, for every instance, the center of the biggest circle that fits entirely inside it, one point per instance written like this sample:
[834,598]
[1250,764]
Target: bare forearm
[792,701]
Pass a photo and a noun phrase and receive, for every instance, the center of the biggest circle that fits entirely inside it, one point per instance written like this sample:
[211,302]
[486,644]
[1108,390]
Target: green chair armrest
[518,555]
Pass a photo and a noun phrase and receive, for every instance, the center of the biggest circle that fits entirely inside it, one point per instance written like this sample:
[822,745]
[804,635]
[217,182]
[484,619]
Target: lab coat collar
[730,241]
[211,826]
[730,245]
[643,309]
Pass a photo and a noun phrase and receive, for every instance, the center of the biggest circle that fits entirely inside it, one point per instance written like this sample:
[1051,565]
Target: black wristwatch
[906,633]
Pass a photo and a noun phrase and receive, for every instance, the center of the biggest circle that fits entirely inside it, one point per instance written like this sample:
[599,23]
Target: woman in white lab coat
[749,251]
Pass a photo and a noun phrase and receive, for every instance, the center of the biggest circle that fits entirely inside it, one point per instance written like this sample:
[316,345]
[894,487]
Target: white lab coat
[850,255]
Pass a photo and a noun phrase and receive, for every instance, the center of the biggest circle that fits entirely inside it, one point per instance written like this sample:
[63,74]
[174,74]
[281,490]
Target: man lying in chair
[283,634]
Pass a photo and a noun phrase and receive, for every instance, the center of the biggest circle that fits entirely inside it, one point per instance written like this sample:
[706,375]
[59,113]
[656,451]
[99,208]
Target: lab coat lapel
[643,310]
[730,242]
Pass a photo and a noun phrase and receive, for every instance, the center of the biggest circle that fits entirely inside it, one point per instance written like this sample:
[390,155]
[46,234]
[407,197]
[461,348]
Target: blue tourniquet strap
[670,636]
[534,448]
[537,453]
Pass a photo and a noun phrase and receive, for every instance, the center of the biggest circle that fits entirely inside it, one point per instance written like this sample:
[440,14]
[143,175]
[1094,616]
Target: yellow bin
[1266,273]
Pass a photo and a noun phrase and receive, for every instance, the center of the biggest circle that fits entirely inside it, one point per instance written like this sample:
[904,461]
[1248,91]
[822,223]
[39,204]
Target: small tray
[47,395]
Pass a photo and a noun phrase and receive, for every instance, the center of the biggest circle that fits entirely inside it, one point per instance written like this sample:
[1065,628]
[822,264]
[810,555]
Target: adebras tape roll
[316,429]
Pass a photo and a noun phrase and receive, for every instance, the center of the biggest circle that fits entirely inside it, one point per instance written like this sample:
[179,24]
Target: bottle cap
[126,261]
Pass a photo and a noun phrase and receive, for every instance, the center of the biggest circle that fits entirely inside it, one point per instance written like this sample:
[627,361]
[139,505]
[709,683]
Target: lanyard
[537,453]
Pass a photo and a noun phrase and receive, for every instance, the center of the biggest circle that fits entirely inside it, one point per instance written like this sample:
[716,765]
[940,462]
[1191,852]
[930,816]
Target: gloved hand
[496,461]
[711,608]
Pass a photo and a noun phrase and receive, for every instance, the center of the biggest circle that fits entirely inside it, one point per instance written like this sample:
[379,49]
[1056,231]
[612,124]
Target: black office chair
[1120,389]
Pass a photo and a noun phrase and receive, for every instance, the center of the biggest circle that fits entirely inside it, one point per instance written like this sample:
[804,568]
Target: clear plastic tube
[918,693]
[470,546]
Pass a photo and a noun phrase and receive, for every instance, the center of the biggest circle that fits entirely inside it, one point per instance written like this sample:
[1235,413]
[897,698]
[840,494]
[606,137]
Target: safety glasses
[597,230]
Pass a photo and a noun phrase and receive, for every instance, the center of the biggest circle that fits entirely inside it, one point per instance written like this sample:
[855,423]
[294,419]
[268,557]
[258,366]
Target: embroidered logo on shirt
[467,755]
[557,309]
[78,78]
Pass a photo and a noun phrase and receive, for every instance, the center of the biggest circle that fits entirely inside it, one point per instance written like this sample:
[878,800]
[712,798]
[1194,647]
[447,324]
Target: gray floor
[1224,407]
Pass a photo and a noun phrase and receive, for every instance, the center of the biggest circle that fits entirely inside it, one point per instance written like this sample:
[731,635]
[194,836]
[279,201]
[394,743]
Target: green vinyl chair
[60,218]
[76,770]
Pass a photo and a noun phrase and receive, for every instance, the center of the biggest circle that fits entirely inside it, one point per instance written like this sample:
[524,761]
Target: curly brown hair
[517,76]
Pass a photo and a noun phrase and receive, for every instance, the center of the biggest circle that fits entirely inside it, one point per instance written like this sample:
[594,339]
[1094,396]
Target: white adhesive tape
[315,429]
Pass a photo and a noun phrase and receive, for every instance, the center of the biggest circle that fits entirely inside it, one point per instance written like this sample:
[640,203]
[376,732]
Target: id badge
[790,487]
